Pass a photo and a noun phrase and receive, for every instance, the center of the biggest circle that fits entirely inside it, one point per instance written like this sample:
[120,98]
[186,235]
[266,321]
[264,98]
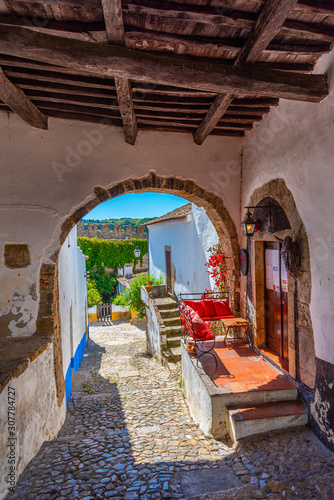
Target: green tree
[131,295]
[105,283]
[93,295]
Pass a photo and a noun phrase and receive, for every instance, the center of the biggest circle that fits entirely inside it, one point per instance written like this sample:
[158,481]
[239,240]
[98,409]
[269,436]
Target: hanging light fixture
[137,252]
[249,224]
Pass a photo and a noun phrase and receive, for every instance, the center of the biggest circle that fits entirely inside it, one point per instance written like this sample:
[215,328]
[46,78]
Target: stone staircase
[170,315]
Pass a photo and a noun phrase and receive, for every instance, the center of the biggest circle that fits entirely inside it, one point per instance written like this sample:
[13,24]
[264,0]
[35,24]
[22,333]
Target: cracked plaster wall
[38,417]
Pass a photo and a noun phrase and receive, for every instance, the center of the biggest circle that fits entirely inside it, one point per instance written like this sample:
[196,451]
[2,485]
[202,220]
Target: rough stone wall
[106,233]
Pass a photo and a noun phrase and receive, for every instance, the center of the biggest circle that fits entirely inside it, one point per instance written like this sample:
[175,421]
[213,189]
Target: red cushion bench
[194,314]
[211,309]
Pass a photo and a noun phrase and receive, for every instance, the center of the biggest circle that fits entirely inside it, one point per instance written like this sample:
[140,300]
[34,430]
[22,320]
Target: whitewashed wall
[46,175]
[37,416]
[72,305]
[189,239]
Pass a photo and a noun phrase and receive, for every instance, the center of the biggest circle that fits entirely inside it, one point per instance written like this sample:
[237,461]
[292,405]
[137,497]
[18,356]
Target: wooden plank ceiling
[196,66]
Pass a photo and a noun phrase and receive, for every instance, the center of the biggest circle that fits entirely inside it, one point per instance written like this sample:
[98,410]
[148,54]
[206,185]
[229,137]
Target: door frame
[258,297]
[169,249]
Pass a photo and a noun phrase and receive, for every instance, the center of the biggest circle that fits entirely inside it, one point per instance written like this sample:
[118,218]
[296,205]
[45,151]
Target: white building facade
[178,249]
[72,306]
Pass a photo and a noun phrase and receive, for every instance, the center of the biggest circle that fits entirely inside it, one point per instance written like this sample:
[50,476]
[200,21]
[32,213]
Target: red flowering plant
[217,268]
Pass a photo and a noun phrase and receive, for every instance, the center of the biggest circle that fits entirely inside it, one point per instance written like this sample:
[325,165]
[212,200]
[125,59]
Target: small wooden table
[232,323]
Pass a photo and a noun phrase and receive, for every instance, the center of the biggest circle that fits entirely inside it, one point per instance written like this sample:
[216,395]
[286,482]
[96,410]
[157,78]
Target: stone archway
[48,318]
[301,337]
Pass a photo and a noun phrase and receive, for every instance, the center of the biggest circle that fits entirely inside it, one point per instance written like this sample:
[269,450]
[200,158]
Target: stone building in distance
[110,231]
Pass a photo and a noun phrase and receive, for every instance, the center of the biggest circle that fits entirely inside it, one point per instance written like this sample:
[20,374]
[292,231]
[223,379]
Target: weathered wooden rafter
[167,16]
[269,22]
[216,111]
[59,57]
[167,69]
[316,6]
[22,64]
[169,21]
[15,98]
[113,17]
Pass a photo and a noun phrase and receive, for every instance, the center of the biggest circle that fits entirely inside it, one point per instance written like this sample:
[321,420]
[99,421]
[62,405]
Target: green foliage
[93,295]
[105,283]
[131,295]
[111,253]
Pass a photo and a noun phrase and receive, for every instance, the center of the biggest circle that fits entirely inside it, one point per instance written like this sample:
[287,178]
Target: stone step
[165,303]
[171,330]
[169,313]
[246,420]
[174,340]
[174,321]
[173,354]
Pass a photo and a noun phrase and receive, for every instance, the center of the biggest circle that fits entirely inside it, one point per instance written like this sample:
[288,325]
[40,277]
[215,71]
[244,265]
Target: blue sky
[137,206]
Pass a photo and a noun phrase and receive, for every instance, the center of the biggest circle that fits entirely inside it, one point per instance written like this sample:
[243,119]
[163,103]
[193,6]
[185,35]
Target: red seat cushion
[222,308]
[201,329]
[196,305]
[209,309]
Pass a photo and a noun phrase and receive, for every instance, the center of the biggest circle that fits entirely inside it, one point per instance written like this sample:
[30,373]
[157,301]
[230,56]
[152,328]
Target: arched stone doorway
[301,350]
[48,318]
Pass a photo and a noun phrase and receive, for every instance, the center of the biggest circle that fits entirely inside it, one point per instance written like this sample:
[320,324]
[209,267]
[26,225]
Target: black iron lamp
[249,224]
[137,253]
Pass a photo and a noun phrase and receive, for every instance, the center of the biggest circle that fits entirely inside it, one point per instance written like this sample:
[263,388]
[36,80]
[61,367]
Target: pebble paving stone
[129,435]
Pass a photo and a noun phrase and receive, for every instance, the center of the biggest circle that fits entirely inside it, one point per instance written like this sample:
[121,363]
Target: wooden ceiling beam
[308,30]
[318,7]
[166,69]
[16,99]
[216,111]
[268,24]
[133,11]
[113,17]
[167,16]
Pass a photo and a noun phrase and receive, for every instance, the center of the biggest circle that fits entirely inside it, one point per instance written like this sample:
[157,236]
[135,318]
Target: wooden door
[276,300]
[168,260]
[284,292]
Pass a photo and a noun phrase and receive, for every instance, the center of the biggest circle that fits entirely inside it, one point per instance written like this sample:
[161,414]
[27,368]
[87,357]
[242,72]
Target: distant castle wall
[110,232]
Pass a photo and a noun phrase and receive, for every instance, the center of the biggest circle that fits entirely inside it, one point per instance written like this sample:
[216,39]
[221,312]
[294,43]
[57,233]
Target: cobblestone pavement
[128,435]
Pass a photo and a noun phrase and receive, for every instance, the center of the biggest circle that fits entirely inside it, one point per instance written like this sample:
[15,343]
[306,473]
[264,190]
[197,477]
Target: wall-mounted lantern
[249,224]
[137,252]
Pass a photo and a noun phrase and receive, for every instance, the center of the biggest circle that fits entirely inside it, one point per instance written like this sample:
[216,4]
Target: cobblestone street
[129,435]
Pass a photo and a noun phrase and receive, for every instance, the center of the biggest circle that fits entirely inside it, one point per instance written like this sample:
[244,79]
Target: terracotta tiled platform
[242,382]
[240,369]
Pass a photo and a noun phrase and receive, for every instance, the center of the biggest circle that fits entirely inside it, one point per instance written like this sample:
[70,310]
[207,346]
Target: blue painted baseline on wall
[75,363]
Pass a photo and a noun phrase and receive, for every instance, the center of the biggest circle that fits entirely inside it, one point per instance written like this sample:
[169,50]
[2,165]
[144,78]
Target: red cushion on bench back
[209,308]
[201,329]
[222,308]
[196,305]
